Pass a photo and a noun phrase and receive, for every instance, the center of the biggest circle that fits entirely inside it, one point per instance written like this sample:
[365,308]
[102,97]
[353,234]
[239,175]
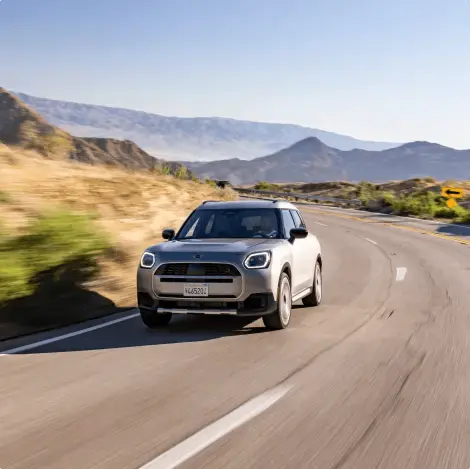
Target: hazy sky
[374,69]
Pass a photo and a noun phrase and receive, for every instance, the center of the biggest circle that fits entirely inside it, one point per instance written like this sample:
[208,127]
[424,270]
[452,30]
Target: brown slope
[113,152]
[23,127]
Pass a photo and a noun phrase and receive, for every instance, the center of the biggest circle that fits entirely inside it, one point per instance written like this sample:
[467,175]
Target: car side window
[287,222]
[299,223]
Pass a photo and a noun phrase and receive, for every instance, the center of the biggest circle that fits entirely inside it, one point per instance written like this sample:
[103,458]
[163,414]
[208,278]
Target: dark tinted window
[231,223]
[288,222]
[299,223]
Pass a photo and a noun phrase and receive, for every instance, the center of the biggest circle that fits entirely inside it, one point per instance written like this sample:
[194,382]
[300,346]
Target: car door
[309,250]
[299,278]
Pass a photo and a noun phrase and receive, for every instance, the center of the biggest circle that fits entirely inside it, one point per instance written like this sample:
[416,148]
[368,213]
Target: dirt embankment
[58,217]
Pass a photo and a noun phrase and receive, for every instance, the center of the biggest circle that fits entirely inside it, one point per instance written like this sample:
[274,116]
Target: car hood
[201,246]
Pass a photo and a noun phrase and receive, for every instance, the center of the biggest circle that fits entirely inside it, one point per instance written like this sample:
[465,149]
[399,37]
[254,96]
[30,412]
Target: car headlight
[258,260]
[147,261]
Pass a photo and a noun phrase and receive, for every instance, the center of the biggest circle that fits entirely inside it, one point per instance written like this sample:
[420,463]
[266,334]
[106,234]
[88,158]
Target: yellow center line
[409,228]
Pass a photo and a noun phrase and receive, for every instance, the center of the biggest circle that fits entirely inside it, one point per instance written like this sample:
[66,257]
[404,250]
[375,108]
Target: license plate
[196,289]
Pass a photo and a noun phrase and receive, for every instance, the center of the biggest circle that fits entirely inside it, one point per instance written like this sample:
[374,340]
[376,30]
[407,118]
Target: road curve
[376,377]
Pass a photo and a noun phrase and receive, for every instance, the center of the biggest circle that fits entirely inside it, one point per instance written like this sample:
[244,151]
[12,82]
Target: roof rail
[268,199]
[208,201]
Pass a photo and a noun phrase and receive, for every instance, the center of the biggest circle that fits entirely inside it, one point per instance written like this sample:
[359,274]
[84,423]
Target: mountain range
[310,160]
[191,139]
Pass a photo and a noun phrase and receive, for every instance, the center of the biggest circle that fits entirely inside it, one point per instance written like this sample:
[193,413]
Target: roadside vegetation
[421,203]
[71,235]
[417,197]
[267,186]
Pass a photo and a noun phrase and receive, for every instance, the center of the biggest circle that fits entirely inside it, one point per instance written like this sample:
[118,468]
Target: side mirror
[298,233]
[168,234]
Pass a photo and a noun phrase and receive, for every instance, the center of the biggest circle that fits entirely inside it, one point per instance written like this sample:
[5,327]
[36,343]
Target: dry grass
[132,207]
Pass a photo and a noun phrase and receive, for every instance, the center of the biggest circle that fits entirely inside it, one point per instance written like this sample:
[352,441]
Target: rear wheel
[281,317]
[155,320]
[315,297]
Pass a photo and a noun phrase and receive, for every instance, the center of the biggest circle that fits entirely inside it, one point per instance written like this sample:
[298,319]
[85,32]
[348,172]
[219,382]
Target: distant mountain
[310,160]
[192,139]
[23,127]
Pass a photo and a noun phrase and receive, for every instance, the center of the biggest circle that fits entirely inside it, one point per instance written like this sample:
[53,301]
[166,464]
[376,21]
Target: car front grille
[198,270]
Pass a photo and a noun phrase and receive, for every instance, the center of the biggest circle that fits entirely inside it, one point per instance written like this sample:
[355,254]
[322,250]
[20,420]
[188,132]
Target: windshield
[231,223]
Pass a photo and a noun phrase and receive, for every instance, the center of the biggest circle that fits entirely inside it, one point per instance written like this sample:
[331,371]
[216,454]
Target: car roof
[250,204]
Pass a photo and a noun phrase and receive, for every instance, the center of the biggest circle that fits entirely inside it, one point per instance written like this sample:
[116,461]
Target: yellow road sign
[451,203]
[452,192]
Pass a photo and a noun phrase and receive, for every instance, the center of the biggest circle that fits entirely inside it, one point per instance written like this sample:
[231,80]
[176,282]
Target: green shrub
[266,186]
[366,192]
[55,242]
[457,213]
[182,173]
[166,169]
[389,199]
[420,204]
[211,183]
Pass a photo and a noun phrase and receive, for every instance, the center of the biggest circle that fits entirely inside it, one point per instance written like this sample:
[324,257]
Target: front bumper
[233,290]
[257,304]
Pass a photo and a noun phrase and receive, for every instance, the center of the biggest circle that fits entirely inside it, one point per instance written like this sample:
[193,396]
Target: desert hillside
[60,216]
[75,216]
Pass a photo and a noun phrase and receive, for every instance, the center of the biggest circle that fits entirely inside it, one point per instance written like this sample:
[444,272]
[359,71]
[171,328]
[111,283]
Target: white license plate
[196,289]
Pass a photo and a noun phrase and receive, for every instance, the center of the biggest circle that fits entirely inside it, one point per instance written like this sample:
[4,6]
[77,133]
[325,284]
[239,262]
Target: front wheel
[281,317]
[155,320]
[315,297]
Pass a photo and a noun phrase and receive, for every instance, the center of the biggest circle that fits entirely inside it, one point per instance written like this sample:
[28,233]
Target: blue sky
[374,69]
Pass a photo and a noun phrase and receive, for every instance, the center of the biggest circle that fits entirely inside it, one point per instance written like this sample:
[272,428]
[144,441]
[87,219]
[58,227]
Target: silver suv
[244,258]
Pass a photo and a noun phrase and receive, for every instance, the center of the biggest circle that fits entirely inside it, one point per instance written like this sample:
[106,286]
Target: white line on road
[34,345]
[401,272]
[208,435]
[318,223]
[371,241]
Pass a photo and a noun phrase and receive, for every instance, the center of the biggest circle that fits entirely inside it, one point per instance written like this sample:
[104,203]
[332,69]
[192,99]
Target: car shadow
[133,333]
[54,298]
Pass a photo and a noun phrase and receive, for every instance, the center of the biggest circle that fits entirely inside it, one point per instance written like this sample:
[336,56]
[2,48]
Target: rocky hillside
[192,139]
[310,160]
[23,127]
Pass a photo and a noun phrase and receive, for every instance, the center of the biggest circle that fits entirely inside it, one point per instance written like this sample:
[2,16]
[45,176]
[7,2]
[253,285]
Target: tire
[153,320]
[315,297]
[280,319]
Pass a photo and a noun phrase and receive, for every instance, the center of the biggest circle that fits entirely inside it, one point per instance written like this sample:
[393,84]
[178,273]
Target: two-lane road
[376,377]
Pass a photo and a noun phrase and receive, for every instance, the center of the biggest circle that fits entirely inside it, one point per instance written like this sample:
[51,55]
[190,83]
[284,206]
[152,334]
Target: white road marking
[371,241]
[401,272]
[65,336]
[216,430]
[318,223]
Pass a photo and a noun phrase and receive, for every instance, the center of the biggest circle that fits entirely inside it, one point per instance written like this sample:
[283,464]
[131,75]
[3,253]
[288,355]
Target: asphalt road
[376,377]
